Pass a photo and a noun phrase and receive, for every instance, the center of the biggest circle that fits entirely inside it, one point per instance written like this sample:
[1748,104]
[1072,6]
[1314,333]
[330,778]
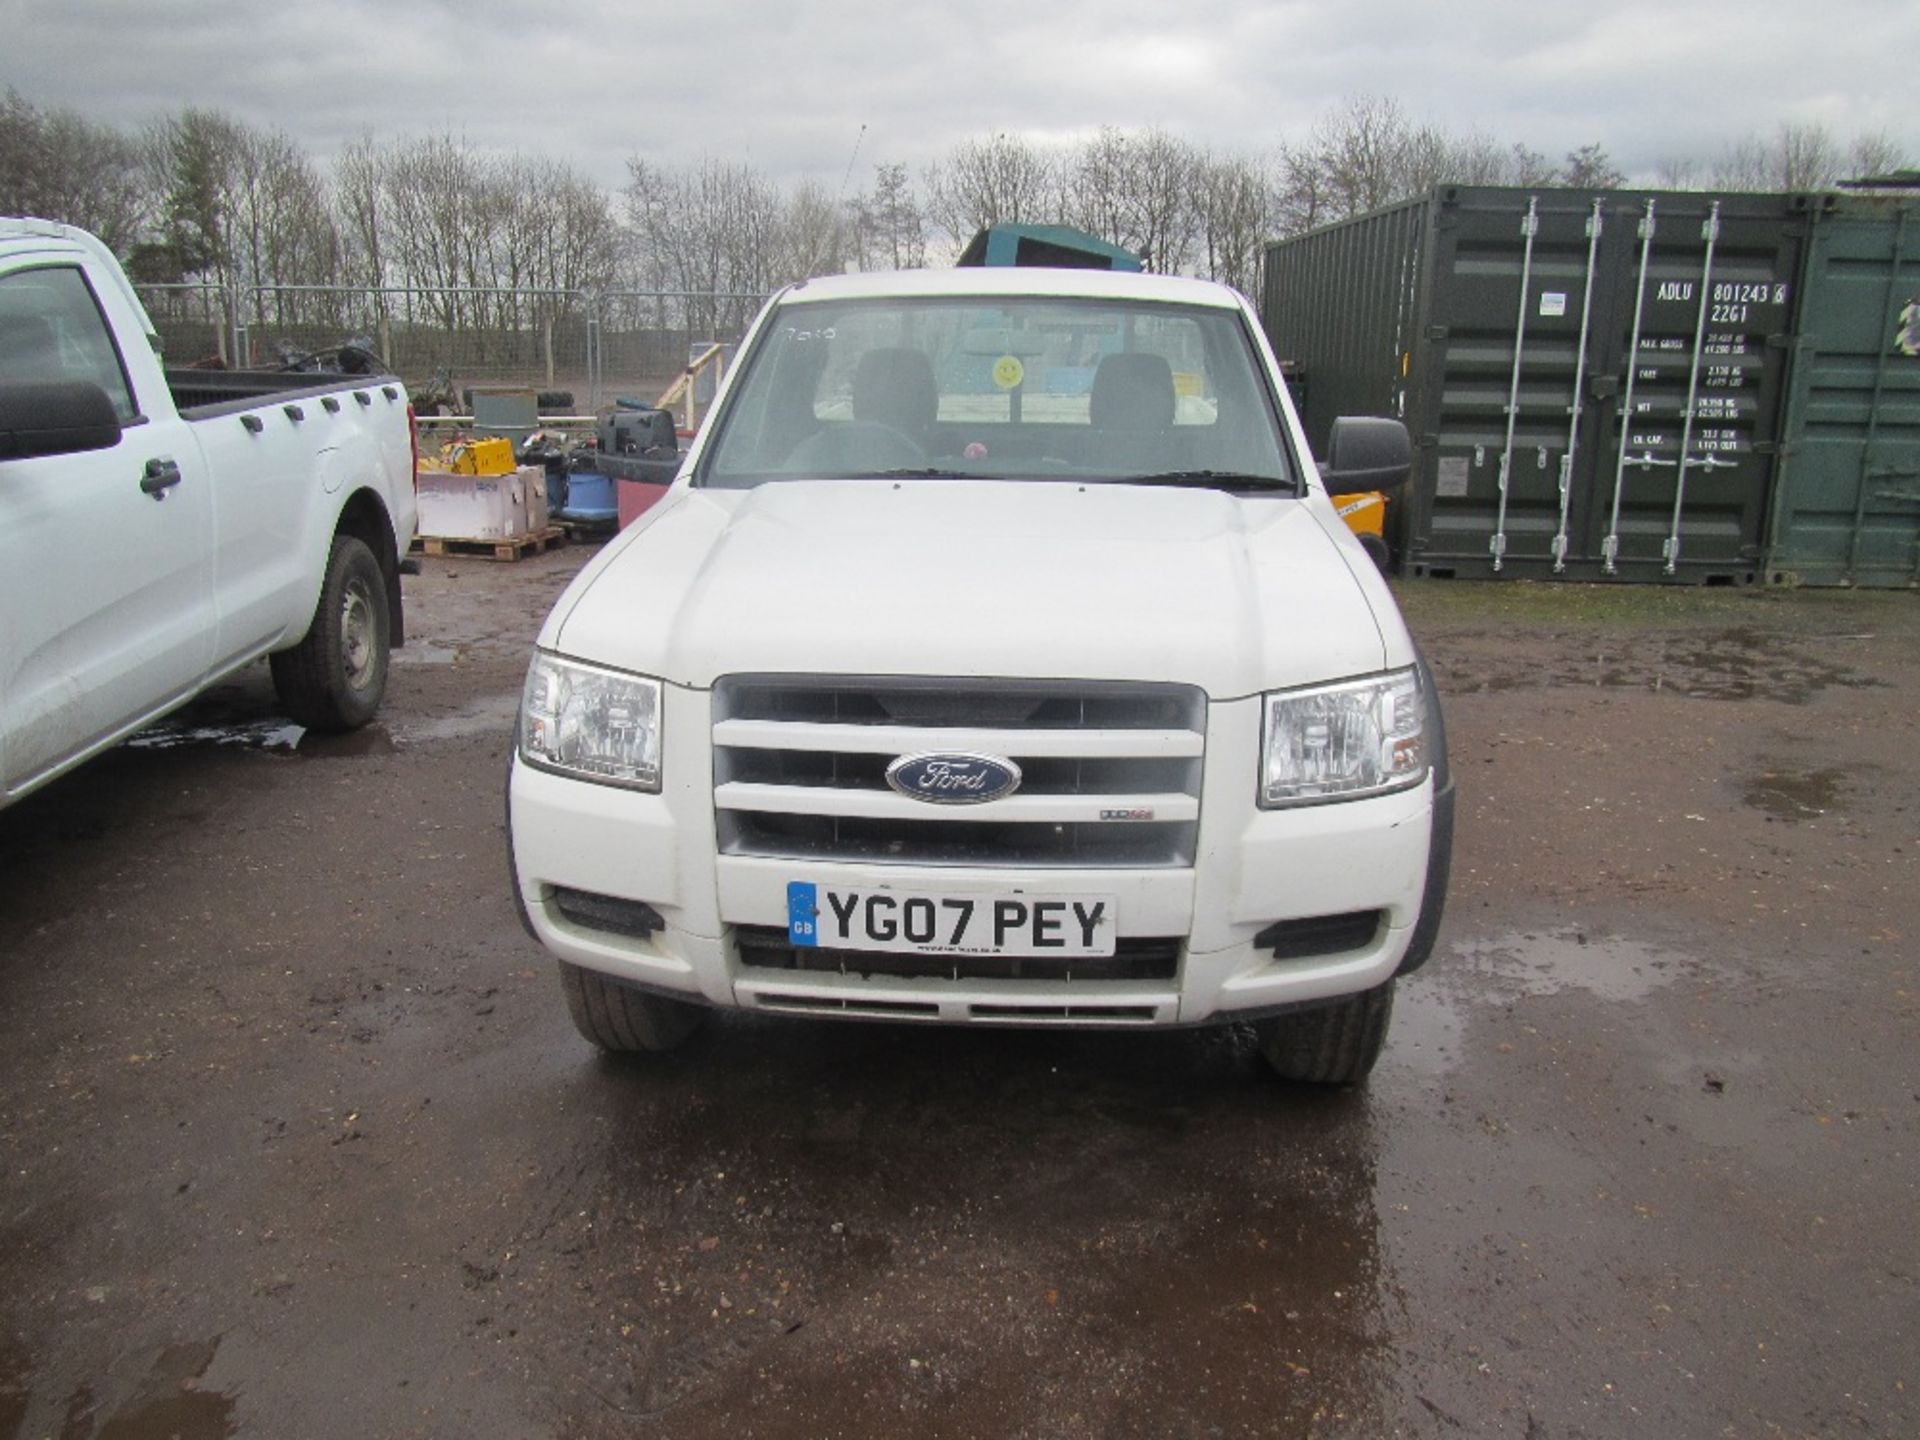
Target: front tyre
[334,679]
[623,1020]
[1333,1044]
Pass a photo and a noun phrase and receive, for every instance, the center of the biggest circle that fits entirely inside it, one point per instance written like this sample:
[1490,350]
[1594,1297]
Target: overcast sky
[788,85]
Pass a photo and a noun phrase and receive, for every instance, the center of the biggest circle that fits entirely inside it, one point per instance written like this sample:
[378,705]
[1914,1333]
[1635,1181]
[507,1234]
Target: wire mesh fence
[578,349]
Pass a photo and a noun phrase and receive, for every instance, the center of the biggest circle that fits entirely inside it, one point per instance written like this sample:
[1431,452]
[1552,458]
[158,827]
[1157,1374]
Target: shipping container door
[1546,452]
[1702,332]
[1847,507]
[1513,316]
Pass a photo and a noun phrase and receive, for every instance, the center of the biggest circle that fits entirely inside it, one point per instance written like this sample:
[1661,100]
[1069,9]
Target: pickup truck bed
[207,394]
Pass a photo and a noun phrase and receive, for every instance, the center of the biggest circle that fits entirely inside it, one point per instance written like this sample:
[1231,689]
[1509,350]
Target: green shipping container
[1846,502]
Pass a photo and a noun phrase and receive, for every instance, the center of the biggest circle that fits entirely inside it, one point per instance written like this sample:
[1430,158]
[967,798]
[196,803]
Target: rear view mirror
[1367,453]
[61,418]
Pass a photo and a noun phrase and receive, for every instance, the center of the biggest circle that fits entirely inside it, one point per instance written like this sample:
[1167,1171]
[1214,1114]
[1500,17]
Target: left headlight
[591,723]
[1344,741]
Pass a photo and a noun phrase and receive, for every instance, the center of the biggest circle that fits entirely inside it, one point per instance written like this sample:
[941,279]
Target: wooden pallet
[513,547]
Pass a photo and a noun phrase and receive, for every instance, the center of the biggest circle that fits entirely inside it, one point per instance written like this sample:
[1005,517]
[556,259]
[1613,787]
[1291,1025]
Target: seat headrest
[29,350]
[895,386]
[1132,392]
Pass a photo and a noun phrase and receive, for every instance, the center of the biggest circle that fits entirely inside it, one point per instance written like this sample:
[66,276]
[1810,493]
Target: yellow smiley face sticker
[1008,371]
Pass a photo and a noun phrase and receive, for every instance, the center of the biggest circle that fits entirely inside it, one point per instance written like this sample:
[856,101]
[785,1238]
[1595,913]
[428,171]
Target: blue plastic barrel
[590,497]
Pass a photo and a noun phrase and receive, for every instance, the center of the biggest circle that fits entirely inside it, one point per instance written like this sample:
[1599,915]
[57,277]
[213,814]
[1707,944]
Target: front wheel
[1333,1044]
[623,1020]
[334,678]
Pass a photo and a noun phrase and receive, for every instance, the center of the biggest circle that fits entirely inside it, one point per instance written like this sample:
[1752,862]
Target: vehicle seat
[895,387]
[1131,409]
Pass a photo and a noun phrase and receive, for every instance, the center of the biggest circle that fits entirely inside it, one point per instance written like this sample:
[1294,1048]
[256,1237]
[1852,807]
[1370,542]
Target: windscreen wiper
[1238,481]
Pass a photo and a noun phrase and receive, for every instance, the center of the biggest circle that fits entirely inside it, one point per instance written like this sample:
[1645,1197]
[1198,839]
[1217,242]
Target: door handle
[162,474]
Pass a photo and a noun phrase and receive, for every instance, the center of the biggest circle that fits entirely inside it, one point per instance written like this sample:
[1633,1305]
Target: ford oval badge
[944,777]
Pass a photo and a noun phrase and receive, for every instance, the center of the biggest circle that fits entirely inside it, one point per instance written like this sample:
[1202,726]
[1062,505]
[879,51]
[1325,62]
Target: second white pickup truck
[997,658]
[160,529]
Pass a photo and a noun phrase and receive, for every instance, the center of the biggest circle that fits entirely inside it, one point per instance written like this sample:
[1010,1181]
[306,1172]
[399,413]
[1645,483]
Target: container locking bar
[1579,391]
[1710,232]
[1529,227]
[1610,547]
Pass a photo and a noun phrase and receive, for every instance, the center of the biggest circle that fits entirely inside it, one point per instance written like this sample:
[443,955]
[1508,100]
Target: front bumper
[1253,868]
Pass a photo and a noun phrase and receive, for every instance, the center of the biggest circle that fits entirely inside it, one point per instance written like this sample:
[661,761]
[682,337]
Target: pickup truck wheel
[623,1020]
[335,677]
[1331,1044]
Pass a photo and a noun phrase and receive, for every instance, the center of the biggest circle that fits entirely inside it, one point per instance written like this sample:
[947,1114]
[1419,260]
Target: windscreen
[1001,387]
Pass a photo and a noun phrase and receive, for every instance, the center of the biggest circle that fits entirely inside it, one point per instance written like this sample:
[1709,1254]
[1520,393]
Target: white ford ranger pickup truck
[997,657]
[160,529]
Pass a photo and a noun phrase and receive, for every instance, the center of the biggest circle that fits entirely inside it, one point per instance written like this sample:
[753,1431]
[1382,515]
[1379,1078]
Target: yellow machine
[1366,516]
[479,457]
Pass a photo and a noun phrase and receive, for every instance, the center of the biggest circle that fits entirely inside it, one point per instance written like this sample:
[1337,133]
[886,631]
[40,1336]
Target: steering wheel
[857,445]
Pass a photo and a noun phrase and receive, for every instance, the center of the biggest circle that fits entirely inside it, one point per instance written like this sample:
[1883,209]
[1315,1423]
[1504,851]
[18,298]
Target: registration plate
[835,917]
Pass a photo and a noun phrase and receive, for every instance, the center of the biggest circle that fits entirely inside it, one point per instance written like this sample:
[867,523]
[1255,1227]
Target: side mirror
[1367,453]
[63,418]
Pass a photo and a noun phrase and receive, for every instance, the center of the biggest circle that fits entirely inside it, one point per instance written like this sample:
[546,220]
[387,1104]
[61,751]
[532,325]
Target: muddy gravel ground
[298,1141]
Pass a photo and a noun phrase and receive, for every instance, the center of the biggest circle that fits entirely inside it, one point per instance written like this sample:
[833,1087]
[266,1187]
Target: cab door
[106,556]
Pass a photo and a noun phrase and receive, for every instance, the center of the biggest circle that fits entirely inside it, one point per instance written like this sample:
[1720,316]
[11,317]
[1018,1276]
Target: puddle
[1428,1024]
[1432,1009]
[1548,961]
[1791,794]
[345,745]
[170,1404]
[494,714]
[276,733]
[414,653]
[1734,665]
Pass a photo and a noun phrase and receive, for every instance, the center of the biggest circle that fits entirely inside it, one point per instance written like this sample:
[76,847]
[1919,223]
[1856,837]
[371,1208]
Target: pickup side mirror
[60,418]
[1367,453]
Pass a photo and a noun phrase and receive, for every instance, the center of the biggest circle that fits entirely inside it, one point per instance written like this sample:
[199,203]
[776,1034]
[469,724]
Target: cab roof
[990,280]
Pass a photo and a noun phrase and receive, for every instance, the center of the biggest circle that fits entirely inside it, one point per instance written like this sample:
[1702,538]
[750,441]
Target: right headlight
[1344,741]
[591,723]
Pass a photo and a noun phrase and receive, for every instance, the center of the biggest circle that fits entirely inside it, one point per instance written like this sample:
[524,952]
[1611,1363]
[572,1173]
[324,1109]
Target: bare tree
[1806,157]
[1095,181]
[1303,193]
[359,195]
[239,205]
[59,166]
[1528,167]
[901,218]
[1591,168]
[1001,178]
[1233,205]
[1479,159]
[1161,216]
[709,231]
[1875,154]
[1679,172]
[1743,165]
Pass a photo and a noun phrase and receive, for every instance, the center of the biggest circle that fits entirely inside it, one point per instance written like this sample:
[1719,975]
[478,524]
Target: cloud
[788,85]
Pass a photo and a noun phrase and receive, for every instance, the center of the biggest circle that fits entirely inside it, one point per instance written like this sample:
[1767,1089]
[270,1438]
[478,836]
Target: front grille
[1110,772]
[765,947]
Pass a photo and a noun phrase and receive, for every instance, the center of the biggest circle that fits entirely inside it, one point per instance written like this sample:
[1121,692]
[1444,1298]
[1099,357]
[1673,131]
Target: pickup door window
[106,585]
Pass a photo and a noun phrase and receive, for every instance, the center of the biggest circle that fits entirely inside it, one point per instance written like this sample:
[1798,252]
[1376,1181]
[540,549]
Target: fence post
[592,307]
[242,340]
